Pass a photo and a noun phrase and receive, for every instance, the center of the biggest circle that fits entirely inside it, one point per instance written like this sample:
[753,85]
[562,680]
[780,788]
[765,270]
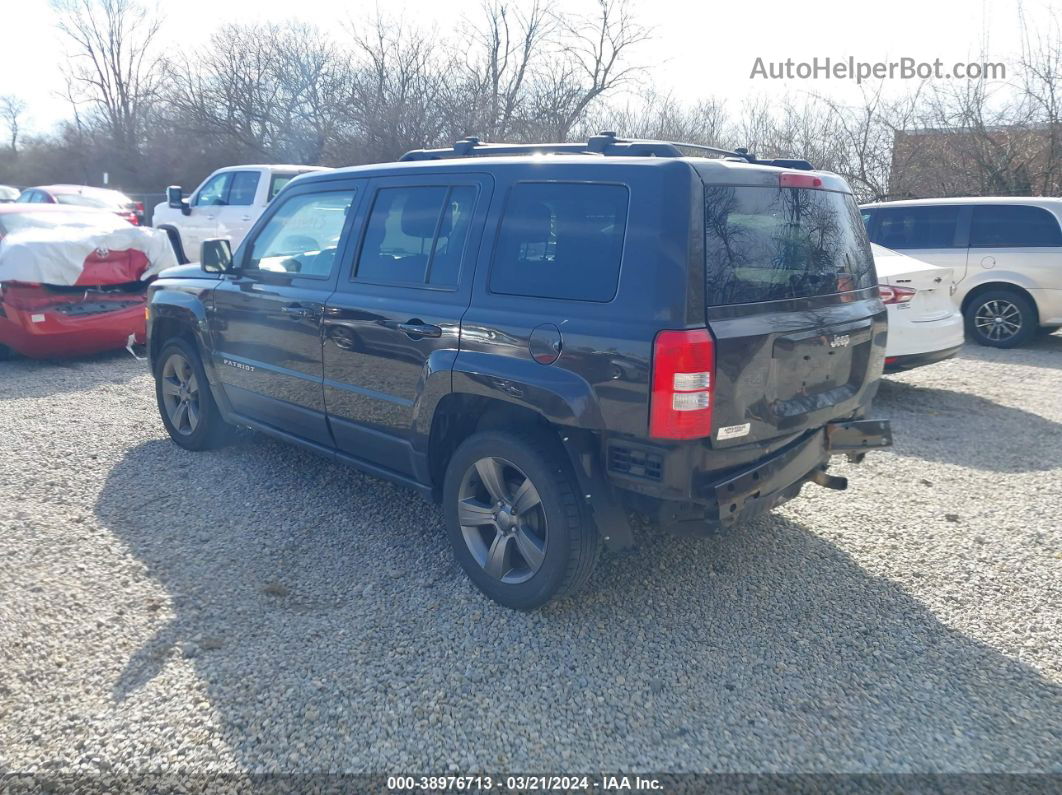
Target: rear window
[277,184]
[917,227]
[80,200]
[771,244]
[561,240]
[1013,226]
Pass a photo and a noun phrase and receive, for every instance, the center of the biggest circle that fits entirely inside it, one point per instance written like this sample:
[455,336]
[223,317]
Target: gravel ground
[259,609]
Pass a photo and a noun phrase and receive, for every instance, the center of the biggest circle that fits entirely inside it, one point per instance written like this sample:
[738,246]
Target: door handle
[416,329]
[296,312]
[245,218]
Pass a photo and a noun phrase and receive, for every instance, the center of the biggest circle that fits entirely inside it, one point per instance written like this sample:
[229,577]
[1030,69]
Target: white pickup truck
[226,204]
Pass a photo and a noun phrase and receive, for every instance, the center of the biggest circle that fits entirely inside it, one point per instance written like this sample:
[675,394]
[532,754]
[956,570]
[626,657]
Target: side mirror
[215,255]
[175,199]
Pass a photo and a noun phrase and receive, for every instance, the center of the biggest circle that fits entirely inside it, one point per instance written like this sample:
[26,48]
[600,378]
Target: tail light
[895,295]
[138,207]
[683,384]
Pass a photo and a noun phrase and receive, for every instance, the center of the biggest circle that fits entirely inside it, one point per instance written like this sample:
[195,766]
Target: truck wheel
[185,402]
[514,520]
[1001,319]
[5,353]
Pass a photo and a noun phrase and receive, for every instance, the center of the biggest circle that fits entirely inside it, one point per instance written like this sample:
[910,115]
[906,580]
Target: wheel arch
[459,415]
[1008,286]
[174,234]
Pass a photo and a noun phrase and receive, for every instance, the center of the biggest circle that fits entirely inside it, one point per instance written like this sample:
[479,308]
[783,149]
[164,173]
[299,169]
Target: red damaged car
[73,281]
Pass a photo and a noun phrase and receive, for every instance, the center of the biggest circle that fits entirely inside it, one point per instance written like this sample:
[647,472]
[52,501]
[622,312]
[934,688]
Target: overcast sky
[699,49]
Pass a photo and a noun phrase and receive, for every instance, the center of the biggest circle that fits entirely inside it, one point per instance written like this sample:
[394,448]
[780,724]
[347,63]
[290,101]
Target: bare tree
[593,59]
[113,64]
[402,94]
[11,110]
[502,50]
[1040,82]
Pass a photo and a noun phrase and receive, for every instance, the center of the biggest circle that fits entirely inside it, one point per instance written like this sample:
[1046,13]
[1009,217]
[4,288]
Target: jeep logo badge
[840,341]
[102,252]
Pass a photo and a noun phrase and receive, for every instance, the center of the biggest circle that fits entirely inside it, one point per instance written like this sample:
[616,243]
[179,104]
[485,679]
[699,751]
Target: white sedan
[925,326]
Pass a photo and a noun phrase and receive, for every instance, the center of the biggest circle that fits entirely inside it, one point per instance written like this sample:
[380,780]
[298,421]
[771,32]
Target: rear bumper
[48,333]
[897,364]
[770,481]
[909,337]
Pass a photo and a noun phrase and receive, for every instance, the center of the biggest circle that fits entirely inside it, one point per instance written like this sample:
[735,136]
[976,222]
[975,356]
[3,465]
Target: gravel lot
[259,609]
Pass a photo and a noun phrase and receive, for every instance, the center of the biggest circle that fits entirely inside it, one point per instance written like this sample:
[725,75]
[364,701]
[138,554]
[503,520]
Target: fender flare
[173,232]
[559,395]
[566,401]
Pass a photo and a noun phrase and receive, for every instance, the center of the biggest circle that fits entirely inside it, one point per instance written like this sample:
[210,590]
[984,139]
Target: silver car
[1005,253]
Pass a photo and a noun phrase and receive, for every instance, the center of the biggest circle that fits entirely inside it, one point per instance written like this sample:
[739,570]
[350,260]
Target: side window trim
[346,236]
[962,226]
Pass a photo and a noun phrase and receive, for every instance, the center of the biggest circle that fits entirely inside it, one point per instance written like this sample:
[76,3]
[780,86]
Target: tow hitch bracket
[858,436]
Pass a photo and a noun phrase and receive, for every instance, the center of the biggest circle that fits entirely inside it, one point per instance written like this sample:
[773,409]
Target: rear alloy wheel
[502,521]
[1001,319]
[515,523]
[185,402]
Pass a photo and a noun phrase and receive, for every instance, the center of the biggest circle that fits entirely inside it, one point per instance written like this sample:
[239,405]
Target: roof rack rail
[603,144]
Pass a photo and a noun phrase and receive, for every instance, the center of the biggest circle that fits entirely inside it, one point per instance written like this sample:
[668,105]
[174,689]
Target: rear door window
[277,182]
[928,226]
[416,235]
[1013,226]
[771,244]
[561,240]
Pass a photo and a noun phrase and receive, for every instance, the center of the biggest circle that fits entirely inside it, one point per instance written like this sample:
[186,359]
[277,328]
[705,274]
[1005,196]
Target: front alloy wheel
[502,521]
[180,393]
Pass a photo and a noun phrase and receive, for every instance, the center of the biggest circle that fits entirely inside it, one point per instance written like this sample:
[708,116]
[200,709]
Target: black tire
[208,431]
[6,353]
[1001,319]
[570,546]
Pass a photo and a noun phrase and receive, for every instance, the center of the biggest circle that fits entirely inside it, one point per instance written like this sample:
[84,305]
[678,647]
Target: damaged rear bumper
[771,481]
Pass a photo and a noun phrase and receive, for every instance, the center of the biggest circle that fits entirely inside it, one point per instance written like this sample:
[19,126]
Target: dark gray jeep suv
[558,342]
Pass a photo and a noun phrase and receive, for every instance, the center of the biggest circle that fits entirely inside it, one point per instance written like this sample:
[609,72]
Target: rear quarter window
[772,244]
[1013,226]
[561,240]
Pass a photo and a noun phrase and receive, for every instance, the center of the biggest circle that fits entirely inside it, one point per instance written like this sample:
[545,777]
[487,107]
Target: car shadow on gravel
[1044,351]
[22,378]
[968,430]
[329,628]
